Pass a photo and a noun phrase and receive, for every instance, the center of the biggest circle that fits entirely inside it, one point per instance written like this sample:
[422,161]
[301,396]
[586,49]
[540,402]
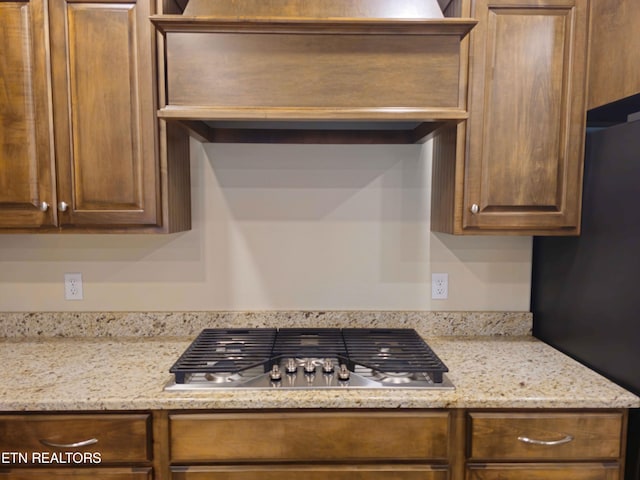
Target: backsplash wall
[280,227]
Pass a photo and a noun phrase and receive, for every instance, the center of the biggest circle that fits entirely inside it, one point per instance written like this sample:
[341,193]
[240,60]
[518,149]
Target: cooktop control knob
[343,373]
[327,366]
[291,366]
[275,374]
[309,367]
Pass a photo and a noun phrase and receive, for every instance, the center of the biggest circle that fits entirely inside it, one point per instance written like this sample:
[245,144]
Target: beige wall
[280,227]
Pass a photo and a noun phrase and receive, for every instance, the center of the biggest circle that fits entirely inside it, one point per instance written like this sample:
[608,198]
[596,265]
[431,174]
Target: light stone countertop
[129,373]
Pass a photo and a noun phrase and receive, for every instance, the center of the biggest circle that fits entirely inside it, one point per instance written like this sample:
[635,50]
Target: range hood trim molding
[383,114]
[459,27]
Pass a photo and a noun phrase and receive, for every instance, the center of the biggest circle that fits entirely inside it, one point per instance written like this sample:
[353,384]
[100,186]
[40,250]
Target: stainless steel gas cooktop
[308,358]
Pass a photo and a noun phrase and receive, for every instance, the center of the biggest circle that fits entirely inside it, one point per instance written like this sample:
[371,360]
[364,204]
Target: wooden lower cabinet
[144,473]
[544,472]
[388,444]
[78,446]
[327,444]
[529,441]
[371,472]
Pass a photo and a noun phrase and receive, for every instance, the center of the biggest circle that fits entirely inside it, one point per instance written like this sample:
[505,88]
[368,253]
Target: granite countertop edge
[129,373]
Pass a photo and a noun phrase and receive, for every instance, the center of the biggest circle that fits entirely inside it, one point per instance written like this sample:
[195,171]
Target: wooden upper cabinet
[101,54]
[614,67]
[516,165]
[26,157]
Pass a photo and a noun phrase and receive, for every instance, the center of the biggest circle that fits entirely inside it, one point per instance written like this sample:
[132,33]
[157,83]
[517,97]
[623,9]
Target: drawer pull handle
[533,441]
[83,443]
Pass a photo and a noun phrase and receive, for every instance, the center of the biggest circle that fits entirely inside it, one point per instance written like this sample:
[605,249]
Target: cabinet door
[614,69]
[526,130]
[26,170]
[106,135]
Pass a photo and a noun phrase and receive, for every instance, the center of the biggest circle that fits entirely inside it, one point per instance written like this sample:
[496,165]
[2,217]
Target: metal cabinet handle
[62,206]
[533,441]
[44,206]
[475,208]
[83,443]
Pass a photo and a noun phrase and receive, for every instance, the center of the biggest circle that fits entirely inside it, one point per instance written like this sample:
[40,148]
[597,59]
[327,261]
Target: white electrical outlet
[73,286]
[439,286]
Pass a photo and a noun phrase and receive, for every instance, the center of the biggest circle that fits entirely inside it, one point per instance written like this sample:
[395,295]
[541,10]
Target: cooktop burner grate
[225,351]
[309,343]
[220,354]
[392,351]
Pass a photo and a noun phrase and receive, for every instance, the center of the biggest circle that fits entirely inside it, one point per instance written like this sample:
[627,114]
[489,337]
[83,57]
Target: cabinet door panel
[382,472]
[25,127]
[106,133]
[544,472]
[526,132]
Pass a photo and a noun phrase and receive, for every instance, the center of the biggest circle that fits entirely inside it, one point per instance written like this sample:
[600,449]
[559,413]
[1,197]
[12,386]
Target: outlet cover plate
[73,286]
[439,286]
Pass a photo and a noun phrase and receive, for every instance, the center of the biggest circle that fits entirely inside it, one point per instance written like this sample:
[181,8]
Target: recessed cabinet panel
[274,70]
[104,153]
[526,130]
[25,137]
[535,120]
[101,56]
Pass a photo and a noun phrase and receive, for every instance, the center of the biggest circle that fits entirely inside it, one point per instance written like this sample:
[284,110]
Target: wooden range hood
[321,71]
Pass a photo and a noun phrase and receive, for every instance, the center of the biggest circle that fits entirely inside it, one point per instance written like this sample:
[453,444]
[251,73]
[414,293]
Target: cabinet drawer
[77,474]
[544,472]
[120,438]
[378,472]
[540,436]
[309,436]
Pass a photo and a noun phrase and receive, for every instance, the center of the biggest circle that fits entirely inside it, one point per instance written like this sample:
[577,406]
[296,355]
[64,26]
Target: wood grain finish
[544,472]
[317,9]
[105,130]
[335,436]
[121,437]
[136,473]
[26,155]
[525,134]
[495,436]
[614,70]
[362,472]
[448,152]
[291,71]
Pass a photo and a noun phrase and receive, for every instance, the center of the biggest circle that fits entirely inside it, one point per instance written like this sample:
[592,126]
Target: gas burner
[396,378]
[222,377]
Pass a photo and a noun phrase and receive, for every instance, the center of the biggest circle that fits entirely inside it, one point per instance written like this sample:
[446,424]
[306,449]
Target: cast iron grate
[309,343]
[225,351]
[393,351]
[230,351]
